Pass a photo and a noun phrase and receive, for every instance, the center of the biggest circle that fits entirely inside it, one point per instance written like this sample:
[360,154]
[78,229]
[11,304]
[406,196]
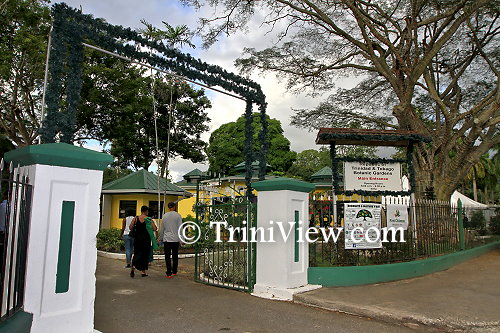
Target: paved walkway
[464,297]
[155,304]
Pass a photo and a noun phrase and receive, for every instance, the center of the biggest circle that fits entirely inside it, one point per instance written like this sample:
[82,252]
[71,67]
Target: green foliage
[5,146]
[495,225]
[400,51]
[478,222]
[109,240]
[115,173]
[24,32]
[71,28]
[308,162]
[179,35]
[189,217]
[226,145]
[117,105]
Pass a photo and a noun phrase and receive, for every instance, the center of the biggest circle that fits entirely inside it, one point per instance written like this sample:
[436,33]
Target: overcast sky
[224,52]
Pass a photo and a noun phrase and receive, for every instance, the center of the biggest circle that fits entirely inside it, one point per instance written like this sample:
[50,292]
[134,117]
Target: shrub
[495,225]
[478,222]
[189,217]
[109,240]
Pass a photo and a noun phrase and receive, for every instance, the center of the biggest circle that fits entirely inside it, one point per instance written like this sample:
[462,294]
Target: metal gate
[225,257]
[15,214]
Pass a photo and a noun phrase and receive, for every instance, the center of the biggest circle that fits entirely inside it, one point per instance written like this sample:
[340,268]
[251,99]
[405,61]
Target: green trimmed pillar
[283,262]
[61,263]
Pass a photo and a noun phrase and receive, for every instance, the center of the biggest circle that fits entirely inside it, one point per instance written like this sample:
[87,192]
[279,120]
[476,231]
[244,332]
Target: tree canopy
[426,65]
[23,42]
[225,149]
[310,161]
[116,104]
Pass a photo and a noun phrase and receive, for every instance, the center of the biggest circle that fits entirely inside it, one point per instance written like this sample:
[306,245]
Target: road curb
[121,256]
[392,316]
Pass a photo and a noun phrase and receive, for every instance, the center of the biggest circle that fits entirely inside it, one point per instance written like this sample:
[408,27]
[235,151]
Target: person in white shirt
[129,241]
[169,233]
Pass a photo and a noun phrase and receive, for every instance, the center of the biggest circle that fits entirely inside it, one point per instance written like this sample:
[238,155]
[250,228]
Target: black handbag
[132,231]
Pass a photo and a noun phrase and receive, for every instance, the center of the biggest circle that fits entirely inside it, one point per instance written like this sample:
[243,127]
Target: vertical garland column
[413,185]
[263,142]
[58,50]
[335,180]
[73,86]
[248,149]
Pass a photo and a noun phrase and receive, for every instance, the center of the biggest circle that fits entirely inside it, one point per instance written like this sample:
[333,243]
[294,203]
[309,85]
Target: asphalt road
[156,304]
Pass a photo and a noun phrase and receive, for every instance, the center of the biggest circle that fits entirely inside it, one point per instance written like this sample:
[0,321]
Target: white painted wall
[278,275]
[72,311]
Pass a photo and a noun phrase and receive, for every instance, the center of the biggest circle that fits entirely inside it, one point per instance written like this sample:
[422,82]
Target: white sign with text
[397,216]
[358,218]
[372,176]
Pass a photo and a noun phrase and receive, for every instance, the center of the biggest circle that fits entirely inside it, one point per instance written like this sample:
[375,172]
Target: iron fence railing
[15,213]
[433,229]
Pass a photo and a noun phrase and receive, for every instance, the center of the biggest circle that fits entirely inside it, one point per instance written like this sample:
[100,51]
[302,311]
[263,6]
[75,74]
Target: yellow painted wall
[354,197]
[142,200]
[185,206]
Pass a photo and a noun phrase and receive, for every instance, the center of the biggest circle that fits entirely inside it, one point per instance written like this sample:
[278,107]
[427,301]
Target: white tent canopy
[466,201]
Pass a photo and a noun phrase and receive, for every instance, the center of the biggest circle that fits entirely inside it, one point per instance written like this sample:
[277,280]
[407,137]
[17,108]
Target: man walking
[169,232]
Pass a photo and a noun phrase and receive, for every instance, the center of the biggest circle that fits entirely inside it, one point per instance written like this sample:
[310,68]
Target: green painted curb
[20,322]
[282,183]
[359,275]
[59,154]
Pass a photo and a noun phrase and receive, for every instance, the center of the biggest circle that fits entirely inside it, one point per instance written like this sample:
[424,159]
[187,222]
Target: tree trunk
[474,184]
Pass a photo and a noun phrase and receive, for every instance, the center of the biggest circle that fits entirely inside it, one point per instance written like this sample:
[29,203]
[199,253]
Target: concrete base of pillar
[281,294]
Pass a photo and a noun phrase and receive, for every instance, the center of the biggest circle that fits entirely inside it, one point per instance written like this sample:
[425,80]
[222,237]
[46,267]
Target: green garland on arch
[336,177]
[371,160]
[373,137]
[71,28]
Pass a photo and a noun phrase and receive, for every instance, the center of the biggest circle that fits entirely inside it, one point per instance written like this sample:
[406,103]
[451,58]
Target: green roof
[326,172]
[255,166]
[196,174]
[59,154]
[141,180]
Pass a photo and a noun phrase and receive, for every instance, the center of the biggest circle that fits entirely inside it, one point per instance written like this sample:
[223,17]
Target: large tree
[310,161]
[426,65]
[117,106]
[116,97]
[24,31]
[225,149]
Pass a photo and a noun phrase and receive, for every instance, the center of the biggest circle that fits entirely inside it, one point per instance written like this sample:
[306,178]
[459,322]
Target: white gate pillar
[61,260]
[281,267]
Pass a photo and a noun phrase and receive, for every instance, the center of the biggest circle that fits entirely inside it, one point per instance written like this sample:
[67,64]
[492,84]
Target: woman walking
[144,230]
[127,239]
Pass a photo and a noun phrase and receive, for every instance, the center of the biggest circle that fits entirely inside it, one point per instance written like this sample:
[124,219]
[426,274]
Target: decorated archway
[73,31]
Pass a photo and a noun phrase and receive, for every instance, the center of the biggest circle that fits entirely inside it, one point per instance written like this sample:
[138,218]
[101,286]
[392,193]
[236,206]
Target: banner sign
[365,216]
[372,176]
[397,216]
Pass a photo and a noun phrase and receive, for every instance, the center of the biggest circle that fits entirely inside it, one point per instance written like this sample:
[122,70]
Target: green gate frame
[205,246]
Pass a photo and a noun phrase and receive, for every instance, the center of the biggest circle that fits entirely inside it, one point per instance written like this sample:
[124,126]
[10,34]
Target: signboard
[397,216]
[372,176]
[364,215]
